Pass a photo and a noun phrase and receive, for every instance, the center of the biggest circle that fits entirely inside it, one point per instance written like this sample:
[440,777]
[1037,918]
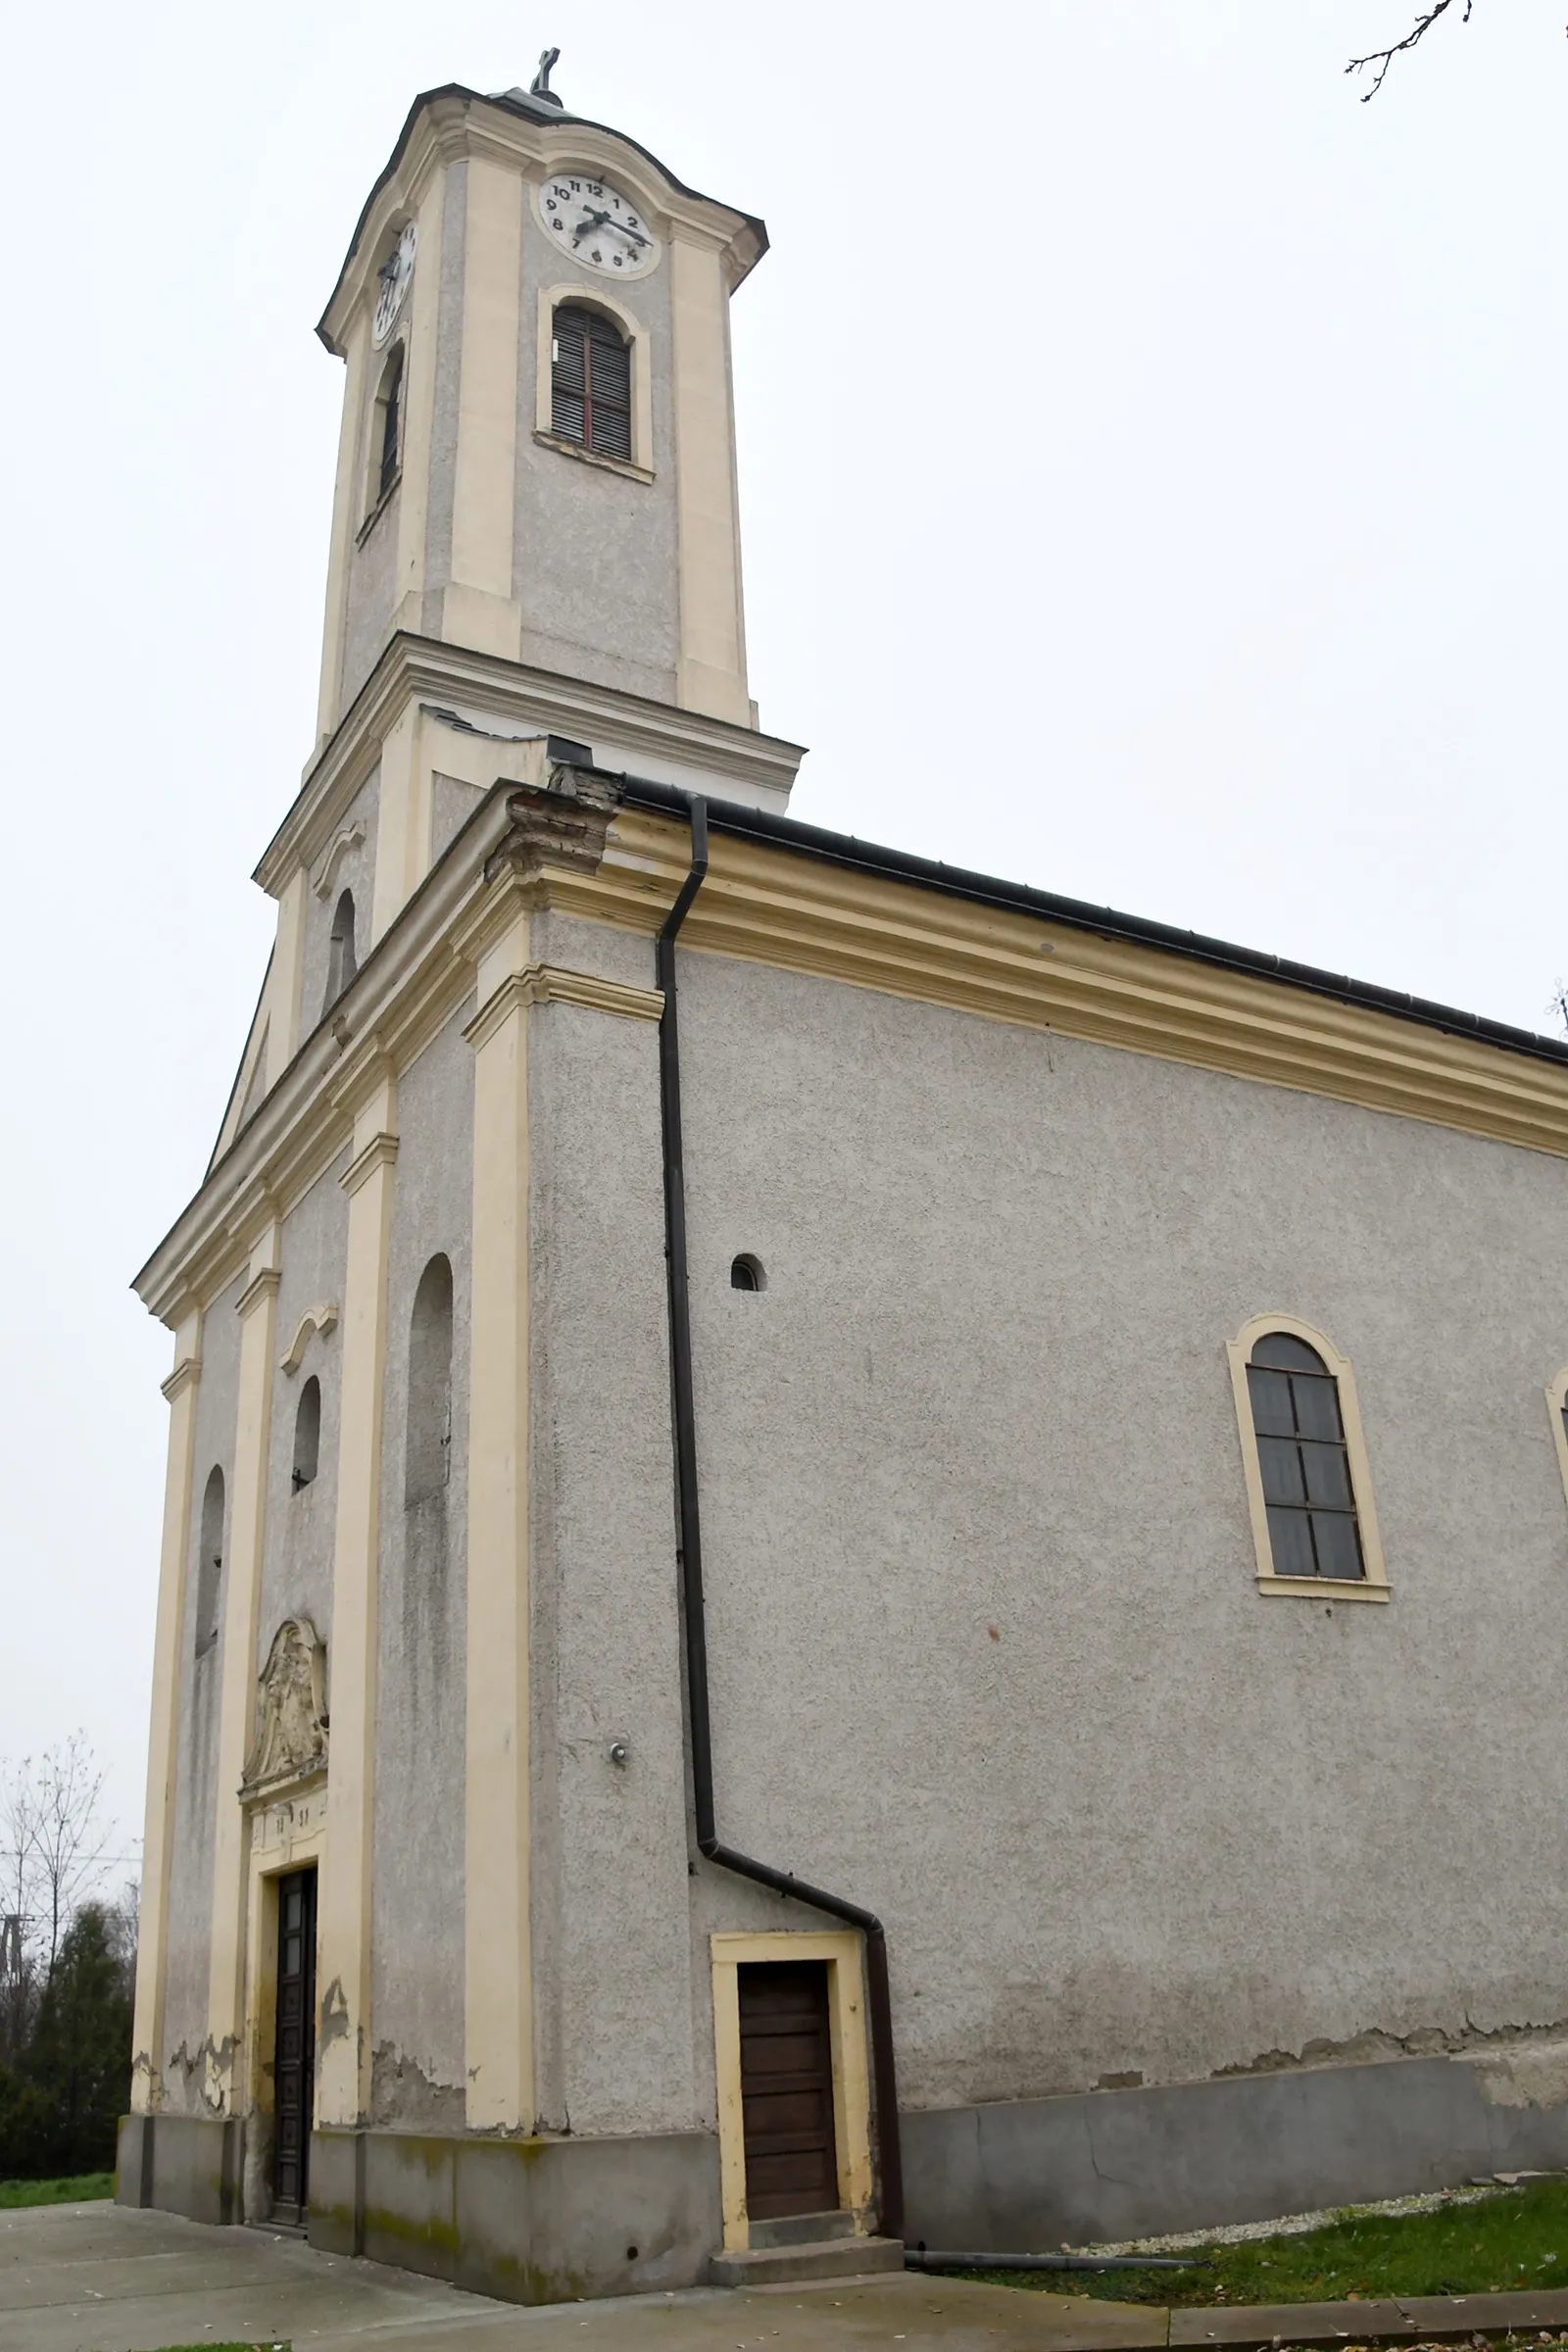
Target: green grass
[78,2190]
[1516,2239]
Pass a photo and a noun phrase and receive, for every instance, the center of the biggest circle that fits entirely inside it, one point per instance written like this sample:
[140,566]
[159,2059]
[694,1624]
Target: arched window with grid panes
[589,383]
[1308,1490]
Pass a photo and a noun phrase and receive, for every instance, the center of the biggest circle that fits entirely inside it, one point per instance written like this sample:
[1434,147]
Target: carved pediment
[291,1741]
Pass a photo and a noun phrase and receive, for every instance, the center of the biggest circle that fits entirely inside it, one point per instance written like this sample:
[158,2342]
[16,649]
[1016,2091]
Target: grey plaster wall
[354,872]
[300,1528]
[372,579]
[612,1976]
[448,375]
[191,1883]
[417,1927]
[987,1649]
[596,556]
[453,803]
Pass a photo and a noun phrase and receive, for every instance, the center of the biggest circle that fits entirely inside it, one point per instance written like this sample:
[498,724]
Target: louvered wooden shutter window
[589,383]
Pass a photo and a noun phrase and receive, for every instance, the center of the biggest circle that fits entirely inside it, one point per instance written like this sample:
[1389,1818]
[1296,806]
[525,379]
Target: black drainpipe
[890,2155]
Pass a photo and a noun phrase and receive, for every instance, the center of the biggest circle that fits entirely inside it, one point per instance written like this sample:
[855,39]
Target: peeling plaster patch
[401,2092]
[1525,2074]
[1470,2042]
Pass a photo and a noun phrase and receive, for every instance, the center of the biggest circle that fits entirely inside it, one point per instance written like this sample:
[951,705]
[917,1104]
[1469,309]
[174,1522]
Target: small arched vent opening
[209,1563]
[342,956]
[429,1456]
[308,1434]
[746,1274]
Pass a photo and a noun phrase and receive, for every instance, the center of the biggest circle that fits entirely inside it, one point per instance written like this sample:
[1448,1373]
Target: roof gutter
[1078,915]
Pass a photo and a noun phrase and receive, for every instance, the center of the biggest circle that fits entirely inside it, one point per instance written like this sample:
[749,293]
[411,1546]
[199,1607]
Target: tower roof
[751,239]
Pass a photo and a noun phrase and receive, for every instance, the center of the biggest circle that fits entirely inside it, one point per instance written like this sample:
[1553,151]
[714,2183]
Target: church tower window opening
[342,961]
[210,1562]
[387,427]
[427,1459]
[1307,1488]
[589,383]
[308,1434]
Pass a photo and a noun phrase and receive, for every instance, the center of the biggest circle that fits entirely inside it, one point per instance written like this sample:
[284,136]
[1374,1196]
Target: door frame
[285,1834]
[844,1951]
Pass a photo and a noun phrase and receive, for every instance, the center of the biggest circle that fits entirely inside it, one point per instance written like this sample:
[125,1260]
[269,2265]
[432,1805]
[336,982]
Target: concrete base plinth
[529,2220]
[1027,2176]
[187,2164]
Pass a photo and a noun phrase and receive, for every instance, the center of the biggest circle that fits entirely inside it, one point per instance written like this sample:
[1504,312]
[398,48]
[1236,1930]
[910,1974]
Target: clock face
[395,274]
[593,222]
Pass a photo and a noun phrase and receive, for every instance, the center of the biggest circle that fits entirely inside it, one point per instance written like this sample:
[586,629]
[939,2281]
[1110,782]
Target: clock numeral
[619,260]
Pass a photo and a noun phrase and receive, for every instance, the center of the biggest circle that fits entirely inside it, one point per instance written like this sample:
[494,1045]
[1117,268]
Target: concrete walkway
[104,2279]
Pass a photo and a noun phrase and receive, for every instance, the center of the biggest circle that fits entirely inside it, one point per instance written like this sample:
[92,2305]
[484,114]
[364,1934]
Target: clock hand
[589,221]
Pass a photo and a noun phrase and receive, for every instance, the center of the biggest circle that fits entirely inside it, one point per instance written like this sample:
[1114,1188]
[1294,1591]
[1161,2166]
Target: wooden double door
[787,2089]
[294,2053]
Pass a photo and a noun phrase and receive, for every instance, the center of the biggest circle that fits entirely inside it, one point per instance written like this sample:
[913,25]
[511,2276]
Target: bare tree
[52,1856]
[1383,59]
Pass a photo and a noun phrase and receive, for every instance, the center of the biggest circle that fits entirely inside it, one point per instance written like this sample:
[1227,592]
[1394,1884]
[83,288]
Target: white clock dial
[395,274]
[593,222]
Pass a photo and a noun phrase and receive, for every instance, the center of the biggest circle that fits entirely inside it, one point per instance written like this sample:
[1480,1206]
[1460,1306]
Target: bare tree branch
[1383,59]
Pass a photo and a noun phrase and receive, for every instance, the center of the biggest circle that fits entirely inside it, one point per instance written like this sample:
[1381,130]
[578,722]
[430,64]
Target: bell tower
[537,455]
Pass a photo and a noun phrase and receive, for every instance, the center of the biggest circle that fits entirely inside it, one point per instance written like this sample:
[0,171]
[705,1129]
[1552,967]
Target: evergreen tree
[76,2066]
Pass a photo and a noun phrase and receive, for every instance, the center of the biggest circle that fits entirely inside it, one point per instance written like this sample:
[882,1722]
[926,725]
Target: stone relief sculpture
[290,1739]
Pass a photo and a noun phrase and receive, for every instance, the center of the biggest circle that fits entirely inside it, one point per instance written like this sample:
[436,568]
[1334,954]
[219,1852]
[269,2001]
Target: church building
[852,1555]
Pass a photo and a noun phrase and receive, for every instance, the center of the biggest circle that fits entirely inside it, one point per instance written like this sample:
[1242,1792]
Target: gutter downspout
[889,2213]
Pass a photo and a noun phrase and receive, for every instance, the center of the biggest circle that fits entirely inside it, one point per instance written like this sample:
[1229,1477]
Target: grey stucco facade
[1191,1877]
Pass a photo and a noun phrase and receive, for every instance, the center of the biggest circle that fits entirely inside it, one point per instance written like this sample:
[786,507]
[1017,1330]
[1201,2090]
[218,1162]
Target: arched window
[590,381]
[386,434]
[1304,1460]
[342,961]
[746,1274]
[210,1562]
[427,1459]
[1309,1480]
[308,1434]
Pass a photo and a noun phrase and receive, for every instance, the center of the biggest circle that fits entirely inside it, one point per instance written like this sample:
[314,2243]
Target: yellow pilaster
[258,1349]
[343,1925]
[162,1748]
[479,609]
[711,673]
[499,1989]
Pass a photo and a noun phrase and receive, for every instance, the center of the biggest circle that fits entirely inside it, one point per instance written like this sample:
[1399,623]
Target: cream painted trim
[1556,1401]
[420,328]
[256,1306]
[498,1974]
[163,1749]
[315,1321]
[483,518]
[1375,1585]
[551,984]
[350,837]
[344,1910]
[710,671]
[589,298]
[287,1835]
[594,456]
[843,1950]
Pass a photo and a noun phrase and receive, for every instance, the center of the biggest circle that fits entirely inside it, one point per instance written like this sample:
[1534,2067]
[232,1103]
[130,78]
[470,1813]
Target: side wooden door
[787,2089]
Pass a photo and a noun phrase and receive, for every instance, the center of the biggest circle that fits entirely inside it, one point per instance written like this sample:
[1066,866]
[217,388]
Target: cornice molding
[379,1153]
[450,123]
[539,702]
[553,984]
[262,1286]
[186,1373]
[765,904]
[350,837]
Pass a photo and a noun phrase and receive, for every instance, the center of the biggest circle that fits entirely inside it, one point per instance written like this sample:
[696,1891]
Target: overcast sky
[1152,483]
